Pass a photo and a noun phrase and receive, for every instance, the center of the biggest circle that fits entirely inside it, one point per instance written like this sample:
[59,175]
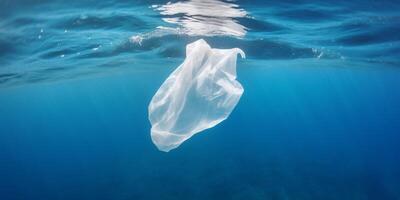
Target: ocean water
[319,117]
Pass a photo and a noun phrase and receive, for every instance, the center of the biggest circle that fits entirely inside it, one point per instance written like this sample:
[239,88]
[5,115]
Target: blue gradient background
[306,127]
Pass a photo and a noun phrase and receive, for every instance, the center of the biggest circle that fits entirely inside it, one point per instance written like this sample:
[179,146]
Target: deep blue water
[319,118]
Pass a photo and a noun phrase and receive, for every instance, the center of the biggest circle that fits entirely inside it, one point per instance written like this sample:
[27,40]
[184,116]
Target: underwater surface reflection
[204,18]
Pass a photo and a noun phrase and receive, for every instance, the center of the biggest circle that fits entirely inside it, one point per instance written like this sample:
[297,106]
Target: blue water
[319,118]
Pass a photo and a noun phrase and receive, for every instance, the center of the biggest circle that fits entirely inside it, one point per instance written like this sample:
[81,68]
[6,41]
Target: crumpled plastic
[199,94]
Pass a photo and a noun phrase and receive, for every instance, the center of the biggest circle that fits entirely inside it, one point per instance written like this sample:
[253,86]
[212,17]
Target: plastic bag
[198,95]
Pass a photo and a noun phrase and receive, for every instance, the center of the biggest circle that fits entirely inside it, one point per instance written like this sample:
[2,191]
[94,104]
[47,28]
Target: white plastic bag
[198,95]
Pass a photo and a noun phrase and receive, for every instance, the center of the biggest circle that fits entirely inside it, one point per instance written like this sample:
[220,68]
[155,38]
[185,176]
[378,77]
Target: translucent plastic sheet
[198,95]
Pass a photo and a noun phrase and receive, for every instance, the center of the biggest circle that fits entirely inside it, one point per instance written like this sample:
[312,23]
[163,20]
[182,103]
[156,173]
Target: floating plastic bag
[198,95]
